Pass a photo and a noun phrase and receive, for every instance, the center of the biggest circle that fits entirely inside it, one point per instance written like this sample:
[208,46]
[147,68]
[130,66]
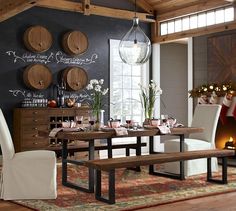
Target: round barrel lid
[37,39]
[75,42]
[75,78]
[37,76]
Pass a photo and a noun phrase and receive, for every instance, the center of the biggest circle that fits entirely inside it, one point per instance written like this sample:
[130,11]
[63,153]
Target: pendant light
[135,46]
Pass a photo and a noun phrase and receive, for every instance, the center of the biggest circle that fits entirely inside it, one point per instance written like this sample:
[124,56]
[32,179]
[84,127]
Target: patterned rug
[134,190]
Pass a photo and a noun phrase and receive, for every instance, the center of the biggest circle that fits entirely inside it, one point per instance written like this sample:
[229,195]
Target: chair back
[206,116]
[6,143]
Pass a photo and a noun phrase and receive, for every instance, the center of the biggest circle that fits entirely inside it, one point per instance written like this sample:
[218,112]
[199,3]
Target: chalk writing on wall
[24,94]
[52,57]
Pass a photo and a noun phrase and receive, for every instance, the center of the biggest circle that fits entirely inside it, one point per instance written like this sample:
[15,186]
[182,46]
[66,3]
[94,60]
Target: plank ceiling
[153,11]
[172,8]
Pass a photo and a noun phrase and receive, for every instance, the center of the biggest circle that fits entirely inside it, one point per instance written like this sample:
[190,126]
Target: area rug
[134,190]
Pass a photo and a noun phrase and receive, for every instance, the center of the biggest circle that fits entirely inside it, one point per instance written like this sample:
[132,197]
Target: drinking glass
[91,120]
[128,121]
[79,119]
[164,118]
[135,125]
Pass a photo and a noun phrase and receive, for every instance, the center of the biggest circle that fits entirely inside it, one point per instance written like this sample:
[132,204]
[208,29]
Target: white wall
[174,80]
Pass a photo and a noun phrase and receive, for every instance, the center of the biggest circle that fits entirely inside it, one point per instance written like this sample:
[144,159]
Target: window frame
[144,77]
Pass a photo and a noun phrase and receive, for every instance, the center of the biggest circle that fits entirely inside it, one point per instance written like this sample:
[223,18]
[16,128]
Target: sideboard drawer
[33,112]
[35,121]
[28,121]
[32,128]
[35,143]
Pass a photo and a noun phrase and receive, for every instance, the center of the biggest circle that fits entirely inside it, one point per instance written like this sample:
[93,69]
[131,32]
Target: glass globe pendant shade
[135,46]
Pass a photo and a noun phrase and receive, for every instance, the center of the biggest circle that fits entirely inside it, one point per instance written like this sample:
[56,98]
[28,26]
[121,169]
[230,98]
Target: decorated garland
[219,89]
[208,94]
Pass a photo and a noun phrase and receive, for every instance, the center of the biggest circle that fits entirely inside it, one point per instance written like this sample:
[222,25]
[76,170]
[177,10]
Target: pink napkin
[164,129]
[121,131]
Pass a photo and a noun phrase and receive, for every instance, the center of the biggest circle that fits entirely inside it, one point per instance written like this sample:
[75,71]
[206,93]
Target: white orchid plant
[148,97]
[96,93]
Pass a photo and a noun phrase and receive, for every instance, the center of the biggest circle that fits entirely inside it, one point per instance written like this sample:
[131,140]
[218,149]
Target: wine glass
[128,121]
[79,119]
[164,119]
[91,120]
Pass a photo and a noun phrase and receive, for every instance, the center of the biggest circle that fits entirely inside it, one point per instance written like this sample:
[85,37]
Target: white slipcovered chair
[205,116]
[26,175]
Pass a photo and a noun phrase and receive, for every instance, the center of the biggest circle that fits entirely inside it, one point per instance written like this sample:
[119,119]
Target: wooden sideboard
[28,121]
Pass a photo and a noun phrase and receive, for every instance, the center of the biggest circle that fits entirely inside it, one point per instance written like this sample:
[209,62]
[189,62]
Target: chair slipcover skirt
[205,116]
[191,167]
[29,175]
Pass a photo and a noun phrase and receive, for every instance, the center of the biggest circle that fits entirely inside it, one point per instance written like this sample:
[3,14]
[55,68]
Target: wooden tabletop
[88,135]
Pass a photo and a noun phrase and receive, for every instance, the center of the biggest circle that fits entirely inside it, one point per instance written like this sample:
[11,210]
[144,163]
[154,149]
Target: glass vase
[99,119]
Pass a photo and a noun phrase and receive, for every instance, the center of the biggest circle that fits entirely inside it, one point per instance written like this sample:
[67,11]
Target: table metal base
[65,161]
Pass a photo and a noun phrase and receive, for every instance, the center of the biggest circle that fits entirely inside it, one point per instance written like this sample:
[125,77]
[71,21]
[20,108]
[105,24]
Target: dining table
[109,135]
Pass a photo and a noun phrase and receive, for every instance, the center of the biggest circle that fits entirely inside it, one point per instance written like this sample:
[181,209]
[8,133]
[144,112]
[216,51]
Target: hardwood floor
[220,202]
[225,202]
[9,206]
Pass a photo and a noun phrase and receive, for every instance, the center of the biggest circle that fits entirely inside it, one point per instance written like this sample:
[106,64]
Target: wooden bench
[109,165]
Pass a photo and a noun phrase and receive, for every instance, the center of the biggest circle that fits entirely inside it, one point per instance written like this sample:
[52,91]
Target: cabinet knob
[35,128]
[35,143]
[35,135]
[35,112]
[35,120]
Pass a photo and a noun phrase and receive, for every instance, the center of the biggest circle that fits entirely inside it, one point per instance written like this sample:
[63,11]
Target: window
[201,19]
[124,95]
[178,26]
[185,23]
[193,22]
[171,27]
[124,86]
[210,18]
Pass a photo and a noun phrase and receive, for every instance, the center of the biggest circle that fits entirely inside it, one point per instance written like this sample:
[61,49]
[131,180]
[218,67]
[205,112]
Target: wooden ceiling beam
[202,6]
[144,5]
[11,8]
[94,9]
[195,32]
[121,14]
[86,7]
[61,5]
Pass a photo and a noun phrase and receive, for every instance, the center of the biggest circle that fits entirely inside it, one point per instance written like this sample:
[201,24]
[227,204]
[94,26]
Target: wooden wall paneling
[221,58]
[11,8]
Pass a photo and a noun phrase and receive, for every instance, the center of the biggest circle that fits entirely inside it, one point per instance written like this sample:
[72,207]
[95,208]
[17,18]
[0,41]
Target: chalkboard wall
[98,30]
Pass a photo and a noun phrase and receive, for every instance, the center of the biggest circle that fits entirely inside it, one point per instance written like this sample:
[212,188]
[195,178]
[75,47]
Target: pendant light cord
[135,16]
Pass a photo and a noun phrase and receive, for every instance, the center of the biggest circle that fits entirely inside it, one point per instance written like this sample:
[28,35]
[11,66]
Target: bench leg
[224,172]
[111,187]
[152,170]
